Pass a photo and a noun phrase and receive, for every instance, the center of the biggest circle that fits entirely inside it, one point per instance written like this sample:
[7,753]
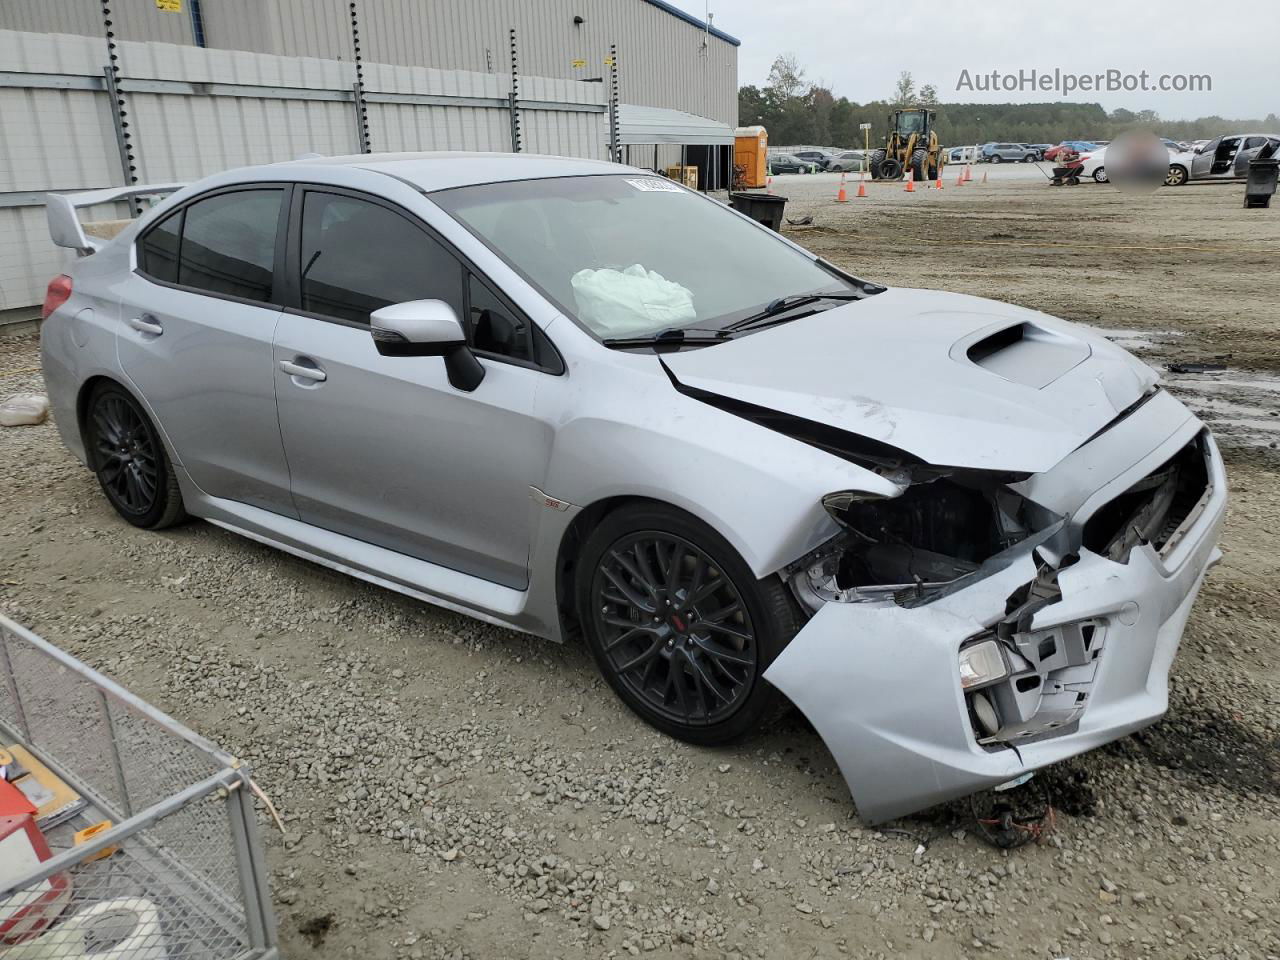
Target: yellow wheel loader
[912,144]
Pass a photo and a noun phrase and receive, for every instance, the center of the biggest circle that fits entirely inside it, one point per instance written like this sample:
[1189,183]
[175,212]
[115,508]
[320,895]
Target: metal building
[209,84]
[666,57]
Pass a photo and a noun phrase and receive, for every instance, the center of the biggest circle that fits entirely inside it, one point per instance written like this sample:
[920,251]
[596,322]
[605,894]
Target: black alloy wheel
[679,626]
[130,462]
[674,628]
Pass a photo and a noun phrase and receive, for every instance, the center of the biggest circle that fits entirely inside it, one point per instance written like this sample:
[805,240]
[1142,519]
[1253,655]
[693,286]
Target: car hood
[952,379]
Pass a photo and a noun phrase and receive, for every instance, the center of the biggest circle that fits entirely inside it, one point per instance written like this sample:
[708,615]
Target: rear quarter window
[158,249]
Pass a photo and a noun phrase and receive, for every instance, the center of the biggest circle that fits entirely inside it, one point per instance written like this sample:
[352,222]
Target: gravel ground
[455,790]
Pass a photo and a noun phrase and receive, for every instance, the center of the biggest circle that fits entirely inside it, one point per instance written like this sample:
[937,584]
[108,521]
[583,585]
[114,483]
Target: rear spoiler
[64,226]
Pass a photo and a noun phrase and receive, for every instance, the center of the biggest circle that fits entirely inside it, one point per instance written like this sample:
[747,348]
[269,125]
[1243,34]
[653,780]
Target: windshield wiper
[783,304]
[673,336]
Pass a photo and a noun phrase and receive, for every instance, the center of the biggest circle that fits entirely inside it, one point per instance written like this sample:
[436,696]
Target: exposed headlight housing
[982,663]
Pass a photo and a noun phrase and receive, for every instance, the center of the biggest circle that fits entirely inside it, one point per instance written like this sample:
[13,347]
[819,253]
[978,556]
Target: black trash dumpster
[1261,184]
[765,208]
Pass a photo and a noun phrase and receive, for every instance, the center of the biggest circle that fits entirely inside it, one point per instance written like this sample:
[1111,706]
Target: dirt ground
[455,790]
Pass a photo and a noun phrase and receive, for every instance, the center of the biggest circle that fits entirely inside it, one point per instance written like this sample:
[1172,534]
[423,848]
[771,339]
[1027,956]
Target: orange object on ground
[842,197]
[862,189]
[88,833]
[751,153]
[911,182]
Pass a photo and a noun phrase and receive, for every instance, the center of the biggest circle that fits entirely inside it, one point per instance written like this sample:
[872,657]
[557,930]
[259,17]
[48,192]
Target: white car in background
[1095,165]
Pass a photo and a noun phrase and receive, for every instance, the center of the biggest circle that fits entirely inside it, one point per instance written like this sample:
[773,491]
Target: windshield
[910,123]
[633,255]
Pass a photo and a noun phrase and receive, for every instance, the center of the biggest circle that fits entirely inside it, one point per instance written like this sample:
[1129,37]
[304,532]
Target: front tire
[679,626]
[996,158]
[1177,175]
[919,165]
[129,459]
[877,163]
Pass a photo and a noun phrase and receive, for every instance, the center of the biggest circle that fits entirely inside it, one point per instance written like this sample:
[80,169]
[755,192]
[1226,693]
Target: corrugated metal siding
[662,60]
[56,139]
[130,19]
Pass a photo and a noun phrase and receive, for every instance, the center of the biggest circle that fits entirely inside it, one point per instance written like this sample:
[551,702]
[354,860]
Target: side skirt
[424,581]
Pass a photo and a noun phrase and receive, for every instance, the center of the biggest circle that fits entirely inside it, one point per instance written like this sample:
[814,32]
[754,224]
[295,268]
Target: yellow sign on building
[169,6]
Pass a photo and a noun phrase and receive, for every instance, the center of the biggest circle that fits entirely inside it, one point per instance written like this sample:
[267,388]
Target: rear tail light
[59,292]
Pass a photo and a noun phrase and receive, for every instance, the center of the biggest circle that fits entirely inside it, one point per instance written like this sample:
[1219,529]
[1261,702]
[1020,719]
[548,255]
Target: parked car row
[790,163]
[813,161]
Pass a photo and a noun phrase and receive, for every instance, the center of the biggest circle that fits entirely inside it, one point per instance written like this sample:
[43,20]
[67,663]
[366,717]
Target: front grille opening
[1153,508]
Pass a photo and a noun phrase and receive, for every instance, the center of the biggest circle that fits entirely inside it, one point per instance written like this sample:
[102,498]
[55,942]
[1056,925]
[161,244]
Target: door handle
[306,372]
[146,324]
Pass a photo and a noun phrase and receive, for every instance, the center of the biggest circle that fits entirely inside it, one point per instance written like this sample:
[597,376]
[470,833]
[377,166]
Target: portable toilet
[751,155]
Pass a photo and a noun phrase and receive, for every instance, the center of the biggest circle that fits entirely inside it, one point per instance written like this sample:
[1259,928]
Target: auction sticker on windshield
[653,184]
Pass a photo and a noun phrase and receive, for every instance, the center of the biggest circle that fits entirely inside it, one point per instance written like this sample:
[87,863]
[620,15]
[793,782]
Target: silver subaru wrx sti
[571,397]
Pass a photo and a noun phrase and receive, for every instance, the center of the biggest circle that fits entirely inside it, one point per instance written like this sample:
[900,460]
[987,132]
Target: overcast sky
[858,49]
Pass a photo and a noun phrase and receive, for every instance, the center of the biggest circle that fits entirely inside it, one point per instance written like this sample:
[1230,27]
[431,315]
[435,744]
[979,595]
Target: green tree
[786,77]
[904,91]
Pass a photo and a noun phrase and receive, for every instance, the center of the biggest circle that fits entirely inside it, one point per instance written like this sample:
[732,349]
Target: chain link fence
[179,872]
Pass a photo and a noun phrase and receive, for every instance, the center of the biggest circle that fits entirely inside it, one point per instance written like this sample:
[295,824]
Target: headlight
[982,663]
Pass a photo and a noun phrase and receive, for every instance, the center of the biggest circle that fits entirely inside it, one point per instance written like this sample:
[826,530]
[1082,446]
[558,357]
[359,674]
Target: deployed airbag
[619,303]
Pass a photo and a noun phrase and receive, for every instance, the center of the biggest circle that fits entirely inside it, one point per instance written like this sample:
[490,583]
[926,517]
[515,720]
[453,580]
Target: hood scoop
[1023,353]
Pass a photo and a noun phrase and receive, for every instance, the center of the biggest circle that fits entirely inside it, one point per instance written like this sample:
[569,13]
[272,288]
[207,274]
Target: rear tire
[130,461]
[1100,175]
[679,626]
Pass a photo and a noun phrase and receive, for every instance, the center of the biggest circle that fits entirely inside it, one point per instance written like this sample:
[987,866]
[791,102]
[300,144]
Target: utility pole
[615,135]
[514,96]
[362,110]
[119,113]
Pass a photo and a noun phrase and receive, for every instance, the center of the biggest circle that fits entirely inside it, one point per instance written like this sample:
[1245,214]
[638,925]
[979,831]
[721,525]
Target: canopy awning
[638,125]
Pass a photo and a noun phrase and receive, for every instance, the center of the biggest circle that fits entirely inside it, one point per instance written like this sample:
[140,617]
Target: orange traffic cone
[862,188]
[911,181]
[768,185]
[937,185]
[960,179]
[842,197]
[984,176]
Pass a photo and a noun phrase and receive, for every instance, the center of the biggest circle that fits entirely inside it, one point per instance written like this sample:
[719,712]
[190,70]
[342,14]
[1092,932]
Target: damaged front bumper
[879,681]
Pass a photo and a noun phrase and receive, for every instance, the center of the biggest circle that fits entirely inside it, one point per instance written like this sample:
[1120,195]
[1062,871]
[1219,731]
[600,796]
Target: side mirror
[1200,149]
[427,328]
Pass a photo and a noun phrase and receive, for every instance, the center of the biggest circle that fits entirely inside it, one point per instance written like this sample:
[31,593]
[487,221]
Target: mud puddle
[1242,406]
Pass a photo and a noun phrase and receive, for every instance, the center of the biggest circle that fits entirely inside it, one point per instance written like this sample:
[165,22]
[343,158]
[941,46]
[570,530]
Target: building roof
[690,18]
[639,124]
